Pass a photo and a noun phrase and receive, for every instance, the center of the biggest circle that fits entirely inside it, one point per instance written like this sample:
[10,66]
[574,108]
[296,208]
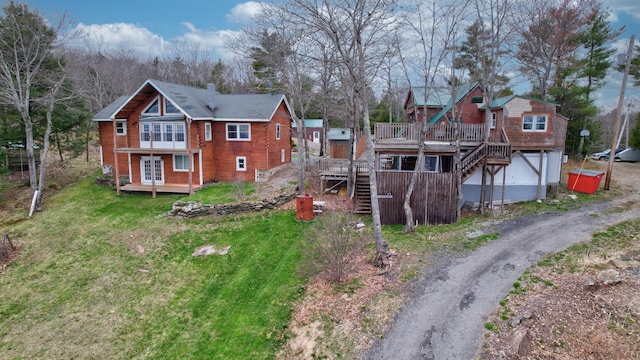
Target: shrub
[331,247]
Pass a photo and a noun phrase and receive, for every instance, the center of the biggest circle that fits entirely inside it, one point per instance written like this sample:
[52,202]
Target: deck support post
[115,157]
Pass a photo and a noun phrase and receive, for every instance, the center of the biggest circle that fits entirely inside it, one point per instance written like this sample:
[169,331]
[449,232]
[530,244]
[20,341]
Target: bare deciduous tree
[357,33]
[548,41]
[435,26]
[32,71]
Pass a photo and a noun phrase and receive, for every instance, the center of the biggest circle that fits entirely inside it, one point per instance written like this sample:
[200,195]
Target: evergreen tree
[635,67]
[634,136]
[269,61]
[219,77]
[472,54]
[596,40]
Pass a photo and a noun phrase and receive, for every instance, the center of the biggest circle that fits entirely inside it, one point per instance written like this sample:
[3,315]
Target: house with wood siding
[174,138]
[520,161]
[314,130]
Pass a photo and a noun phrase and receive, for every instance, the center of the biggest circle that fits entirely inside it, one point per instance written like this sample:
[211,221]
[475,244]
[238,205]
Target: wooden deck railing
[472,158]
[340,166]
[440,132]
[498,151]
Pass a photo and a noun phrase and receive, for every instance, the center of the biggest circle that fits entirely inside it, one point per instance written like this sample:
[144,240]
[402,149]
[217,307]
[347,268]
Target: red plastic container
[584,181]
[304,207]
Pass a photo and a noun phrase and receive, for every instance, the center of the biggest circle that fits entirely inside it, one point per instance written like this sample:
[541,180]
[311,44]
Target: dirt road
[445,320]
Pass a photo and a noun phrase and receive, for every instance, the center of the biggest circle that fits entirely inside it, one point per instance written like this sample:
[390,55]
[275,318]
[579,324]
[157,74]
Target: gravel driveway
[445,319]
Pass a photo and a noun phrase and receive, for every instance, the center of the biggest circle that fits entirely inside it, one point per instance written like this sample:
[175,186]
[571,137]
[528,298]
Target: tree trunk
[382,248]
[409,225]
[57,137]
[351,181]
[301,165]
[45,151]
[31,159]
[86,143]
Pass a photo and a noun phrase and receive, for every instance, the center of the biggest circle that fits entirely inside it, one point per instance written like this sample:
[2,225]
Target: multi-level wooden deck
[442,139]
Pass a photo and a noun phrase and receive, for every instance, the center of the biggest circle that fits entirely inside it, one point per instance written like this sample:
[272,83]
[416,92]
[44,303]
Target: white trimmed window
[241,163]
[179,133]
[153,108]
[180,162]
[170,108]
[166,135]
[239,132]
[534,123]
[277,131]
[157,131]
[121,128]
[207,131]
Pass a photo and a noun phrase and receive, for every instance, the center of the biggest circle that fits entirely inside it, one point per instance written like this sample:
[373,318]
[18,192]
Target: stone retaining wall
[190,209]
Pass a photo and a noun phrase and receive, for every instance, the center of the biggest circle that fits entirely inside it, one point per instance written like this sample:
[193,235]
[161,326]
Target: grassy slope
[103,276]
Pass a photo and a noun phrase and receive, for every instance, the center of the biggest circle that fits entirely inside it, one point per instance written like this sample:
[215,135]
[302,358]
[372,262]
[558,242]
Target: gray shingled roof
[193,102]
[255,107]
[105,114]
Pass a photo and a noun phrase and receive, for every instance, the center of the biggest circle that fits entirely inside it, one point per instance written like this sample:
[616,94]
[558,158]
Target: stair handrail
[472,158]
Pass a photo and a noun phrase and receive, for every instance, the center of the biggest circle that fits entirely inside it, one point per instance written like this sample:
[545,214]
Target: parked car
[630,155]
[604,154]
[601,155]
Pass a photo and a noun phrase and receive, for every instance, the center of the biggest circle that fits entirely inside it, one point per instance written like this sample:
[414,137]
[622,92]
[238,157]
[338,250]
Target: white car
[601,155]
[630,155]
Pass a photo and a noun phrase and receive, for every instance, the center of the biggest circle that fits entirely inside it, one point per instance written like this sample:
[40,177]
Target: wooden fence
[434,199]
[340,149]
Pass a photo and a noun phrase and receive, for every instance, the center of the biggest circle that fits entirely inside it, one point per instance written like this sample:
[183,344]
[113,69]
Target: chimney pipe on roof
[211,96]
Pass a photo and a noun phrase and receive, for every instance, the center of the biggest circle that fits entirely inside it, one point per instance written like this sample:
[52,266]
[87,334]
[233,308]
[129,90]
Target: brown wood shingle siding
[529,140]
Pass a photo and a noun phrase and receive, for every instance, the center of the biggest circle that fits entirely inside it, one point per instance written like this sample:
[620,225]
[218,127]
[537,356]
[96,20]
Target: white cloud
[122,35]
[244,12]
[632,7]
[213,40]
[147,44]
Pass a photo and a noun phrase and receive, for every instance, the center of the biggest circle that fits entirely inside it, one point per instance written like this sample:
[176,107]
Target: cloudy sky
[149,25]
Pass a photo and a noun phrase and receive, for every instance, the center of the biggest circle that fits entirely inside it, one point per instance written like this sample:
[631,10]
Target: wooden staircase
[485,153]
[362,199]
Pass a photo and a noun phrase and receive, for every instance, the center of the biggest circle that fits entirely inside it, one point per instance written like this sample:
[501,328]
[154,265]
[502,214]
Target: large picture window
[166,135]
[408,163]
[534,123]
[238,132]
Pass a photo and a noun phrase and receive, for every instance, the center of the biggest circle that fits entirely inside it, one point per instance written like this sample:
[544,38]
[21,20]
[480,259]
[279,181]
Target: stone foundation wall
[190,209]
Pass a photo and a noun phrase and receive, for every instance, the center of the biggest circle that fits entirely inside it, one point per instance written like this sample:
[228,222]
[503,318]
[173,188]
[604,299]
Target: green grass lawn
[221,193]
[103,276]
